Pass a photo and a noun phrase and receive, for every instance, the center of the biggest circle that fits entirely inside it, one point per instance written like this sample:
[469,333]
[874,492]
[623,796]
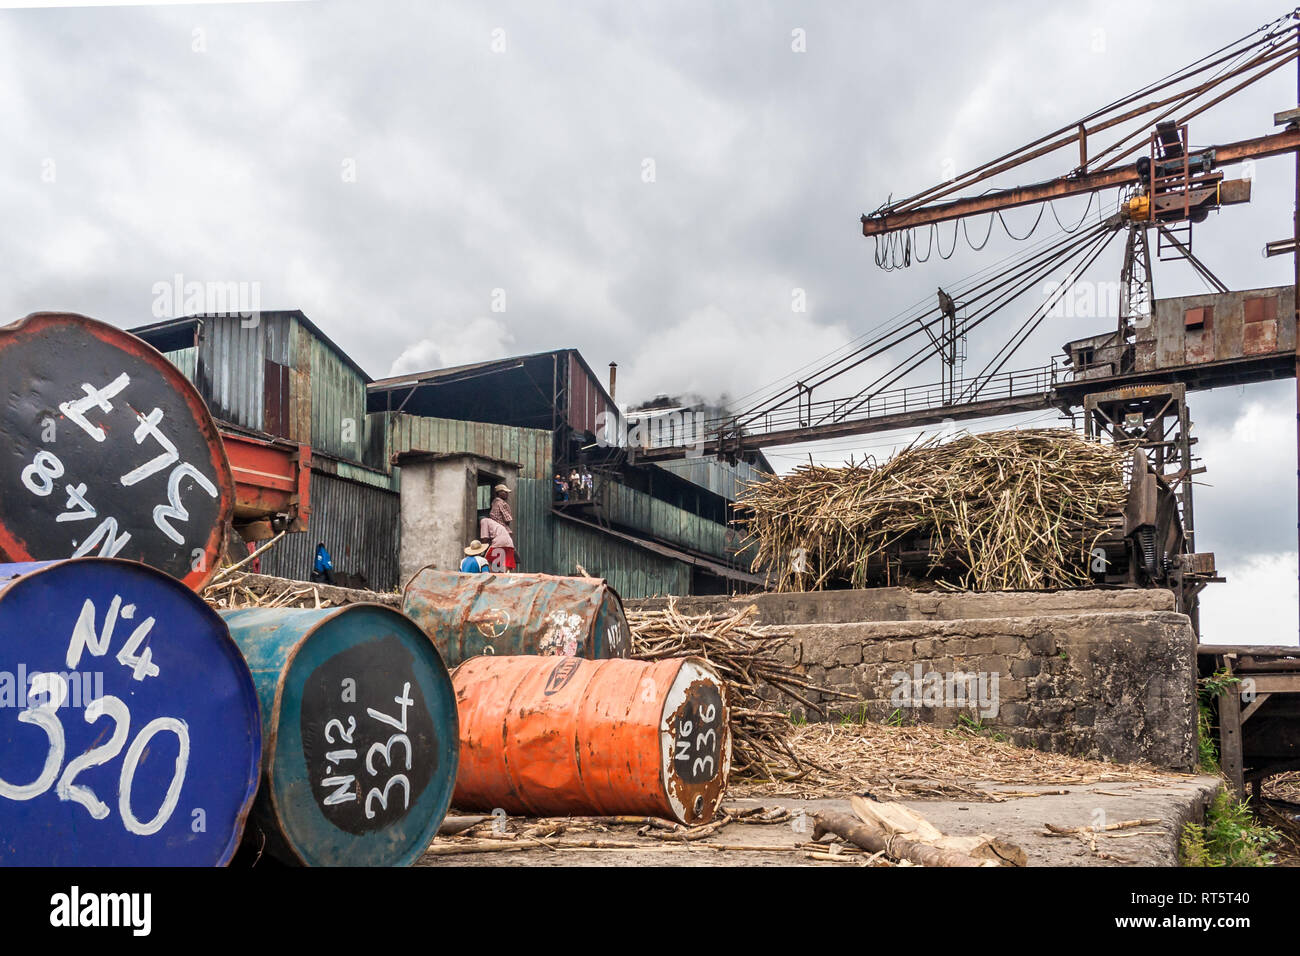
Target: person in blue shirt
[323,569]
[474,561]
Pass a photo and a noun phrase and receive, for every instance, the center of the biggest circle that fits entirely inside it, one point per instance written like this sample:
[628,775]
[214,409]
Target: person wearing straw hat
[474,562]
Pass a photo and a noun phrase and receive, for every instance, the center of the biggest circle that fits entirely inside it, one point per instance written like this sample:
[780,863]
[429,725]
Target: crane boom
[1273,144]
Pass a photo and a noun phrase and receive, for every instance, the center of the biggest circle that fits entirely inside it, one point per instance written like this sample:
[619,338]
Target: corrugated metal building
[656,530]
[277,374]
[651,529]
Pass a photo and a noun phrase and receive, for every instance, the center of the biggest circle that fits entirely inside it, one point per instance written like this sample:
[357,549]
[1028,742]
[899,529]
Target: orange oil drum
[547,737]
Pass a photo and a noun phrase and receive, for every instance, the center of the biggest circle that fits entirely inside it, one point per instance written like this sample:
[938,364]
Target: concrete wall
[901,604]
[1118,686]
[439,513]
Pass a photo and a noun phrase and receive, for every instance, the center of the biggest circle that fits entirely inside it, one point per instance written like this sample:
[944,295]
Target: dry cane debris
[1008,510]
[468,835]
[931,761]
[890,833]
[744,655]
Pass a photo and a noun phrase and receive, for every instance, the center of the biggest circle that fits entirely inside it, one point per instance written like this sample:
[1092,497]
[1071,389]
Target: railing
[910,398]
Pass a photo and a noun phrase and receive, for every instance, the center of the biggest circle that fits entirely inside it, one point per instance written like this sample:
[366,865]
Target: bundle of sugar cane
[744,655]
[1008,510]
[255,590]
[244,590]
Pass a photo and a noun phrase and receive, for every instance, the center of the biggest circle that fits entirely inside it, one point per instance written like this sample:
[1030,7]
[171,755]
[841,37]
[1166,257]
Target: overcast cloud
[438,183]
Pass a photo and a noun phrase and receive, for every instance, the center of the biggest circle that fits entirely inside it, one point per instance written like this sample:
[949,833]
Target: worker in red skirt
[501,545]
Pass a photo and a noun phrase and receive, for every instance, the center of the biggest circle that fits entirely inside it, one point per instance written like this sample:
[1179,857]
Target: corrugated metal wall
[530,447]
[586,397]
[388,480]
[186,360]
[231,372]
[552,546]
[338,405]
[359,525]
[636,509]
[718,477]
[534,529]
[633,571]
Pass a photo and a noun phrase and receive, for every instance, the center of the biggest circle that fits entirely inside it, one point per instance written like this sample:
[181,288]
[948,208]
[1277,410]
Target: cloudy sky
[653,183]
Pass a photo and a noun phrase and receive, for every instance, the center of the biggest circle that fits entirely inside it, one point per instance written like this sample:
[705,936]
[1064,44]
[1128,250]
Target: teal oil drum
[361,738]
[544,614]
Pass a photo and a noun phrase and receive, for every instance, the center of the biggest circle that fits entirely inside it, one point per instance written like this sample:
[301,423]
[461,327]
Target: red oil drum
[108,452]
[548,737]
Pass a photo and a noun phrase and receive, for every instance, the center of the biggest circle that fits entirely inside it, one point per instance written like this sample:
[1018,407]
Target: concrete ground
[1017,818]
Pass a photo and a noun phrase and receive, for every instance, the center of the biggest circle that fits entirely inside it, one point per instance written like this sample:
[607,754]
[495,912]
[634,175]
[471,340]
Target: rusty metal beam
[1273,144]
[989,408]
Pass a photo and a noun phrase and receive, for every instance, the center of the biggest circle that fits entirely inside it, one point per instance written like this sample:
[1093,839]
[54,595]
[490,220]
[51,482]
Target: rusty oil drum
[359,718]
[472,614]
[129,725]
[107,451]
[545,737]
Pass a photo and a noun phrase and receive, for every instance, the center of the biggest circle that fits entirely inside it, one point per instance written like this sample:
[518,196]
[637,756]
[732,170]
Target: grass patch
[1230,836]
[1207,748]
[975,727]
[860,716]
[1207,743]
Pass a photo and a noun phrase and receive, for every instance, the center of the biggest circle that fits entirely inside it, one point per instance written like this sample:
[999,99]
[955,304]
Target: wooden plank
[1274,683]
[1230,756]
[1254,706]
[1249,650]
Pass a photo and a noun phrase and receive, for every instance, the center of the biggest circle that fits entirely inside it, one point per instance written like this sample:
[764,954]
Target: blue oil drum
[544,614]
[129,726]
[359,715]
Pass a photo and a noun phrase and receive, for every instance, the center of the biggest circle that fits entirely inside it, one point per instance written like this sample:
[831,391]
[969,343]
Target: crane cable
[881,343]
[898,252]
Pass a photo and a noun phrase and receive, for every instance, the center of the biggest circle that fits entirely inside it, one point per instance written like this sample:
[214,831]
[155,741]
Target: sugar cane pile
[236,591]
[744,655]
[1008,510]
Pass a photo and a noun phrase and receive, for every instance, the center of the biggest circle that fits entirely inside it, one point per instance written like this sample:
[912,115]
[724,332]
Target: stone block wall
[1108,685]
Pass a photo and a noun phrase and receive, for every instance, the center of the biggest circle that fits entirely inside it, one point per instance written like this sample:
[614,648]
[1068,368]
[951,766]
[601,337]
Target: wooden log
[899,820]
[876,840]
[450,826]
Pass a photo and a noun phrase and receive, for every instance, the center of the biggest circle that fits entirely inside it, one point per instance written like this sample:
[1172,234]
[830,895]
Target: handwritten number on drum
[54,691]
[403,701]
[39,476]
[706,739]
[47,695]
